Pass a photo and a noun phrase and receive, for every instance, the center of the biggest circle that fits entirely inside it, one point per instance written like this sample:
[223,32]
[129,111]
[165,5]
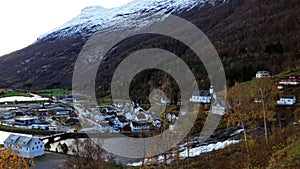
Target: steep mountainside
[249,35]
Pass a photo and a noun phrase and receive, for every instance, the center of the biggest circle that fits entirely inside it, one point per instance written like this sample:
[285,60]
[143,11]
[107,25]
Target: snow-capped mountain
[138,13]
[245,34]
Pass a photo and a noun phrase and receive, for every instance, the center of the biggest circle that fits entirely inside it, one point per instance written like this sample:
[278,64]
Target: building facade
[27,147]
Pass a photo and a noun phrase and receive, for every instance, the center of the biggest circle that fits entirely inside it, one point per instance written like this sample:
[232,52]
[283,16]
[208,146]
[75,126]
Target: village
[68,115]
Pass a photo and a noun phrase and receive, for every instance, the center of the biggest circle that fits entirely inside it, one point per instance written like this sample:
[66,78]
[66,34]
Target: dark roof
[122,119]
[134,123]
[201,93]
[287,97]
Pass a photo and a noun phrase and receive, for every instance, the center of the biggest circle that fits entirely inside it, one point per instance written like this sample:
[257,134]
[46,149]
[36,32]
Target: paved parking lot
[50,160]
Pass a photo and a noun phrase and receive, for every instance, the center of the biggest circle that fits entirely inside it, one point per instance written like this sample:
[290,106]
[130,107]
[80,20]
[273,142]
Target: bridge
[63,136]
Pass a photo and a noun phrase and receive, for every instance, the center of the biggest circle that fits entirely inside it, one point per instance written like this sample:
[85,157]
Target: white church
[202,96]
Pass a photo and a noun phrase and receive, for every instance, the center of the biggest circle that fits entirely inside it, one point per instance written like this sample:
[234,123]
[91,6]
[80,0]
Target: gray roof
[19,140]
[141,116]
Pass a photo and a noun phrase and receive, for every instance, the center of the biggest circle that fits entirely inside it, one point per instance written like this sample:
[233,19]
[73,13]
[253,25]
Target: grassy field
[53,92]
[12,93]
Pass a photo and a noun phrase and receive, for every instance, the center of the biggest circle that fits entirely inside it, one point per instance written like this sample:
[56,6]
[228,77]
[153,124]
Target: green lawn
[53,92]
[13,93]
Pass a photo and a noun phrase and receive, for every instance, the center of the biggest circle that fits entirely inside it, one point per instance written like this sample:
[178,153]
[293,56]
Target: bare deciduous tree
[88,155]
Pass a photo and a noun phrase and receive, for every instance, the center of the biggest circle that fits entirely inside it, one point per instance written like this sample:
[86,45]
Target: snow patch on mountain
[138,13]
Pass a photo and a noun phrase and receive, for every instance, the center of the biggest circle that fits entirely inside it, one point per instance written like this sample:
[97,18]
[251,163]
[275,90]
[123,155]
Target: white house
[138,127]
[261,74]
[218,108]
[287,100]
[27,147]
[27,120]
[201,96]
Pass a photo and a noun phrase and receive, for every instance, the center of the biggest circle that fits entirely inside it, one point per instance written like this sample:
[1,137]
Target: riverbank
[219,140]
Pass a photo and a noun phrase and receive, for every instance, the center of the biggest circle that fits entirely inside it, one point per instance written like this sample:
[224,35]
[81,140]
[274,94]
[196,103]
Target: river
[213,144]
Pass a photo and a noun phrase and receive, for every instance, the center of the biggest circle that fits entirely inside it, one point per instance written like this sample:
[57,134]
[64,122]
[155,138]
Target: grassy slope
[288,157]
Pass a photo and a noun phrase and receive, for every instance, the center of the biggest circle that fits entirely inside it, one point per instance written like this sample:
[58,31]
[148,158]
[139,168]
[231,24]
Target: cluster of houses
[43,116]
[283,83]
[288,81]
[130,117]
[126,117]
[33,113]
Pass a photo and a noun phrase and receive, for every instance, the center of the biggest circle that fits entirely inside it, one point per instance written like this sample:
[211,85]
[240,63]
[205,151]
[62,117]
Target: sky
[23,21]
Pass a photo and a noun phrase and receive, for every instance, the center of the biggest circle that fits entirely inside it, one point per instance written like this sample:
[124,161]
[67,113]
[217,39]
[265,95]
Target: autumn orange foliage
[11,160]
